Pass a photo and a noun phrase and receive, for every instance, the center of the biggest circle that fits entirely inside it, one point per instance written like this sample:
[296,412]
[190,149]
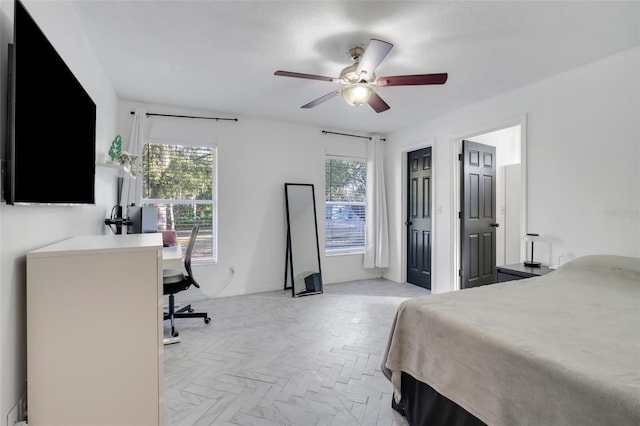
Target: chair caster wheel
[207,320]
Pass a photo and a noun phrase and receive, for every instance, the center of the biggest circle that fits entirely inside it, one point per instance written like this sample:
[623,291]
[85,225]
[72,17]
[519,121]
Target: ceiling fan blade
[321,99]
[373,55]
[377,103]
[412,80]
[307,76]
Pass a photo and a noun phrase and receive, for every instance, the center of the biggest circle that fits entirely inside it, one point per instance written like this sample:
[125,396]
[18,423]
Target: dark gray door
[478,215]
[419,218]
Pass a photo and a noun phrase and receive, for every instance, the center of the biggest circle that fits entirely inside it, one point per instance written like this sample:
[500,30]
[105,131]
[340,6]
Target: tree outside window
[179,181]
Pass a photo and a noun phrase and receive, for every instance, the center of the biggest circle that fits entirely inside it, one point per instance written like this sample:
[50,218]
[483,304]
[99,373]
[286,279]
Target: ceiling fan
[359,79]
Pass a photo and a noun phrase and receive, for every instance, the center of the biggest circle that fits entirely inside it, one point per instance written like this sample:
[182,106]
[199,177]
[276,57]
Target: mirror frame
[289,268]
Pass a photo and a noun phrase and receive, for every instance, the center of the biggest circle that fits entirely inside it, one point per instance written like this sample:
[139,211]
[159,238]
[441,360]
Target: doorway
[419,216]
[510,193]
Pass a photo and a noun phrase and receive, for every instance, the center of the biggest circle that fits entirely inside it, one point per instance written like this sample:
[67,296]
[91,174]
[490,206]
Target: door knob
[495,225]
[408,223]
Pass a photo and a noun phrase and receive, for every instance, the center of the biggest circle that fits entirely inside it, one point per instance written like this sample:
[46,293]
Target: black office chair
[175,281]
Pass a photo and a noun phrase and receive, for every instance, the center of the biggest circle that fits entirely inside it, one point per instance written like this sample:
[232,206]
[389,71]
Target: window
[345,196]
[180,182]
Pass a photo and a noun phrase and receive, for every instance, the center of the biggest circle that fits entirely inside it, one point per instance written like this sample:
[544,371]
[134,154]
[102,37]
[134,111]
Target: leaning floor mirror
[302,266]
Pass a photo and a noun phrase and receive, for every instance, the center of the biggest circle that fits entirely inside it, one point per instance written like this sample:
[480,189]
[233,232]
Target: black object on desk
[142,219]
[519,271]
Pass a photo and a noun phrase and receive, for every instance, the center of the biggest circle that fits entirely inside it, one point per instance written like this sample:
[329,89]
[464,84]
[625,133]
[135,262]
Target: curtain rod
[324,132]
[189,116]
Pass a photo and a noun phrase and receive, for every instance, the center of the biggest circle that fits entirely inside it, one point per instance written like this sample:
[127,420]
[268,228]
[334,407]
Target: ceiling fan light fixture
[359,79]
[357,93]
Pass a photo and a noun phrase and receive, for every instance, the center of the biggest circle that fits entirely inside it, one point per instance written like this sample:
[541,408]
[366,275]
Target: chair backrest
[189,252]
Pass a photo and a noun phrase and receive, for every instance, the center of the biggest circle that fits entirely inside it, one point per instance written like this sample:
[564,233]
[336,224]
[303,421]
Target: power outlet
[12,416]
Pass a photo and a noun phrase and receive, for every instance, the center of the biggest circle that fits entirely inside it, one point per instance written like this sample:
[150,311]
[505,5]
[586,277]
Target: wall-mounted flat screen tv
[51,124]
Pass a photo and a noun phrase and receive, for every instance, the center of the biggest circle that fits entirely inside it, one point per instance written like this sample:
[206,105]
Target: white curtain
[132,187]
[376,252]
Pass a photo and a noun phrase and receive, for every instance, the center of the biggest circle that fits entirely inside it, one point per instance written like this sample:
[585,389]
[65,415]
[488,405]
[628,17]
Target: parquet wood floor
[269,359]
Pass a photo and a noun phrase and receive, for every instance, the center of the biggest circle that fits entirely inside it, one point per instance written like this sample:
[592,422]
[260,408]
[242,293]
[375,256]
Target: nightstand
[518,271]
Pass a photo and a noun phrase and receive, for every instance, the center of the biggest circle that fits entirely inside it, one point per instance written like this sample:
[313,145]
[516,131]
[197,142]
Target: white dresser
[94,331]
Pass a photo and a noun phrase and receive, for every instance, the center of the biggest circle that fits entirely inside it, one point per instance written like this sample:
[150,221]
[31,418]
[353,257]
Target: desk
[172,256]
[94,331]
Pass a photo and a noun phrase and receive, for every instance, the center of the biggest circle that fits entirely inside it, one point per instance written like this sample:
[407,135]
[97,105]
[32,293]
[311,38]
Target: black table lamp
[529,239]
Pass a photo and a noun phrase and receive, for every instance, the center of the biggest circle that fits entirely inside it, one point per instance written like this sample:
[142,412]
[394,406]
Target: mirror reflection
[303,253]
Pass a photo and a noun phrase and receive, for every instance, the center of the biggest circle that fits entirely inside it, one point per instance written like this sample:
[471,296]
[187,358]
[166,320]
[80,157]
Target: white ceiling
[221,55]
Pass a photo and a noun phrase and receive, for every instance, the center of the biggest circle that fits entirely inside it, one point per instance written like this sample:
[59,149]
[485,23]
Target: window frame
[348,250]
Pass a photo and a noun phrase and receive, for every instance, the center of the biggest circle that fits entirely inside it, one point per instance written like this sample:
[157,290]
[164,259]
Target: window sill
[342,252]
[208,261]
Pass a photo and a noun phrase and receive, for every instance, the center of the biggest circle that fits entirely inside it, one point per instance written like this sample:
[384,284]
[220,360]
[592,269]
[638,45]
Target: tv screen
[51,124]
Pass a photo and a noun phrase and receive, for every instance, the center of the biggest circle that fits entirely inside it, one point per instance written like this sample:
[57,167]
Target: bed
[559,349]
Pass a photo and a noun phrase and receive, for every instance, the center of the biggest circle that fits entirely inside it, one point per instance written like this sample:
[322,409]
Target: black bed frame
[421,405]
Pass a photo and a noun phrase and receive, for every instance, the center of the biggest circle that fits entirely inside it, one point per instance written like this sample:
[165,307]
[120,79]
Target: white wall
[23,228]
[582,162]
[255,159]
[507,143]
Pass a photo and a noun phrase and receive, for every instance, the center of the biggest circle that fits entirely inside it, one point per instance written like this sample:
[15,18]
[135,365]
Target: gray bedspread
[560,349]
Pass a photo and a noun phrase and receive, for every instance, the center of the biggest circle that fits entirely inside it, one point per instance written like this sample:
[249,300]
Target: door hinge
[459,215]
[460,157]
[459,272]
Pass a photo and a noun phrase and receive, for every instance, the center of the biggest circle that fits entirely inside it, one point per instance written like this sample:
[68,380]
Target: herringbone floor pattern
[270,359]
